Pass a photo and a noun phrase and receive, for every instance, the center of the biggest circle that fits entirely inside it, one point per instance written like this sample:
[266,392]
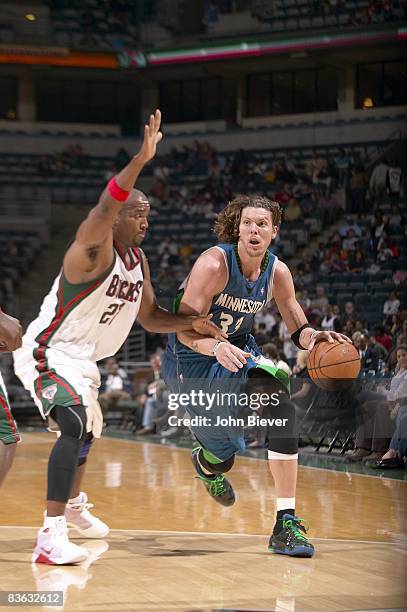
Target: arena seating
[107,24]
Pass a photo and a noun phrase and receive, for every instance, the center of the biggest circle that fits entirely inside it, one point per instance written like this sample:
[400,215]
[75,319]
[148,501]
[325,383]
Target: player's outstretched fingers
[317,336]
[341,337]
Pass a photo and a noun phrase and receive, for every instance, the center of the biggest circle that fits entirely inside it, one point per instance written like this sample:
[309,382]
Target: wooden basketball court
[172,548]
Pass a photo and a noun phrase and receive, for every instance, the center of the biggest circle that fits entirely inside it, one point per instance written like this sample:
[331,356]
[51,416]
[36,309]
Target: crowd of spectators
[62,162]
[116,23]
[377,11]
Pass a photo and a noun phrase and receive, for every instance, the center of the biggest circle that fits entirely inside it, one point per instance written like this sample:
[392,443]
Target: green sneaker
[291,539]
[218,487]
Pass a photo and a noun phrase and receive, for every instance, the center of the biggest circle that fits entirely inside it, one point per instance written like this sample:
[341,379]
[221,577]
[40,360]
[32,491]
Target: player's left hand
[152,136]
[329,336]
[205,327]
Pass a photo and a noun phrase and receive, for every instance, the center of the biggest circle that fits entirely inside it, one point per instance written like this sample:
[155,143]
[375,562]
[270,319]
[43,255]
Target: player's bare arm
[10,332]
[292,313]
[92,251]
[207,279]
[156,319]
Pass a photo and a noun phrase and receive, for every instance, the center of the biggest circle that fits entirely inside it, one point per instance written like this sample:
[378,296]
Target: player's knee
[71,420]
[83,455]
[216,468]
[282,435]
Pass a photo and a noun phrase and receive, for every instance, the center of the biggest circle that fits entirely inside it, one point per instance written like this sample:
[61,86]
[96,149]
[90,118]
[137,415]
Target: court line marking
[214,533]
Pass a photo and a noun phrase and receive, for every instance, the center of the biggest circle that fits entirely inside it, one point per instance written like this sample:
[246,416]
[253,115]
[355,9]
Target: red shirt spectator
[383,338]
[283,197]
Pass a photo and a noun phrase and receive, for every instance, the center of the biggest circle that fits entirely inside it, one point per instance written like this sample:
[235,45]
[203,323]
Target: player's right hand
[10,333]
[152,136]
[231,357]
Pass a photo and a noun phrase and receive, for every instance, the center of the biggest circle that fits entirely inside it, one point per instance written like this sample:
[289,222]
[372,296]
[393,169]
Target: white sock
[75,500]
[285,503]
[50,522]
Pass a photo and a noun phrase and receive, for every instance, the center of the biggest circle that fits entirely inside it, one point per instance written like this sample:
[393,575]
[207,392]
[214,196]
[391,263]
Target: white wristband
[216,347]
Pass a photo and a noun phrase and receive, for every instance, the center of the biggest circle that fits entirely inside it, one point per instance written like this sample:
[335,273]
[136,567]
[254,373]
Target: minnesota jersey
[234,308]
[89,321]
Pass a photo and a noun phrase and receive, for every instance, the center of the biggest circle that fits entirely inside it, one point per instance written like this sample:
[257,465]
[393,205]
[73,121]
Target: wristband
[216,347]
[117,192]
[295,337]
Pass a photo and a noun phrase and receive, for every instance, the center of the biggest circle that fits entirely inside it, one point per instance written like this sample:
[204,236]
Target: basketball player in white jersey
[10,339]
[104,285]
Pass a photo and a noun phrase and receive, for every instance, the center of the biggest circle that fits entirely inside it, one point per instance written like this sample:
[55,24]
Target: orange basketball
[333,365]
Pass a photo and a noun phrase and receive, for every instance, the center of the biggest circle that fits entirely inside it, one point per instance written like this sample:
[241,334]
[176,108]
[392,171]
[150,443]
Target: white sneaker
[78,516]
[53,546]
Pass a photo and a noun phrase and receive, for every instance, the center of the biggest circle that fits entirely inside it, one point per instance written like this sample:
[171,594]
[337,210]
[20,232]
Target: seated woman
[372,436]
[395,457]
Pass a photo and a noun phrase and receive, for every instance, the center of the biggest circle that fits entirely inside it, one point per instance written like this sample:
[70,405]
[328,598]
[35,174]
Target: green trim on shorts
[9,433]
[52,389]
[210,457]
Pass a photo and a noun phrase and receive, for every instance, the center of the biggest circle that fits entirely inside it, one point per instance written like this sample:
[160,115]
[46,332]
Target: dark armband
[295,337]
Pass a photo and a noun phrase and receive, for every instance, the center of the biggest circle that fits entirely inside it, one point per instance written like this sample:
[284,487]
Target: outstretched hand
[152,136]
[330,336]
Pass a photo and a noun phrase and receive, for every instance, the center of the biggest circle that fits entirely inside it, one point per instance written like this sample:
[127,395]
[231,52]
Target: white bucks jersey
[92,320]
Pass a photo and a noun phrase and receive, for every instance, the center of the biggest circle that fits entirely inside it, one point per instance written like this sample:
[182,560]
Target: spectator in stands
[151,406]
[397,398]
[394,179]
[330,321]
[401,338]
[260,334]
[395,457]
[289,348]
[284,196]
[211,15]
[315,164]
[357,190]
[349,243]
[356,259]
[293,211]
[267,317]
[115,386]
[304,299]
[343,162]
[391,307]
[330,208]
[350,224]
[382,337]
[302,385]
[369,352]
[377,183]
[360,326]
[320,301]
[374,430]
[377,229]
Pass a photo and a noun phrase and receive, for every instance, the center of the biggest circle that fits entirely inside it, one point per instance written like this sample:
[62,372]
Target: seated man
[115,386]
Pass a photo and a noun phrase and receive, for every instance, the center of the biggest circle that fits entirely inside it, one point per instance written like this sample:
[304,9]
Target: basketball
[333,365]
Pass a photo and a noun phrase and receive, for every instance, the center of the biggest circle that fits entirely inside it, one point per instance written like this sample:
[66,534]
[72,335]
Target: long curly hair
[226,226]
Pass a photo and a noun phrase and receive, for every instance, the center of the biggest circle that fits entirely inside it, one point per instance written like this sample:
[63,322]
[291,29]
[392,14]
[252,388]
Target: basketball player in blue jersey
[103,287]
[233,281]
[10,339]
